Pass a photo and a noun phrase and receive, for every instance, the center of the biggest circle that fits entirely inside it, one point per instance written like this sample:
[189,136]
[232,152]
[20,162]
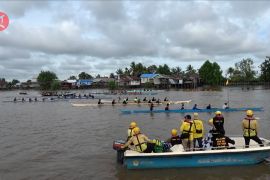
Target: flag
[227,82]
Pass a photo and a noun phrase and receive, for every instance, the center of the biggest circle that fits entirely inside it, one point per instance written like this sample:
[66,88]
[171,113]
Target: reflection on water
[58,141]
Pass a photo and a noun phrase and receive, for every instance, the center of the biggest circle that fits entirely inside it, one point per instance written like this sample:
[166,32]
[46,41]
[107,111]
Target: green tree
[56,85]
[230,72]
[112,75]
[14,82]
[98,76]
[112,85]
[210,73]
[245,70]
[72,78]
[164,69]
[265,70]
[152,69]
[45,79]
[84,75]
[119,72]
[177,71]
[190,71]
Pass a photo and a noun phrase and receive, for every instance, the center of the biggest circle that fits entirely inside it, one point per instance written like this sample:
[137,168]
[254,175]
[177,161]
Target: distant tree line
[210,73]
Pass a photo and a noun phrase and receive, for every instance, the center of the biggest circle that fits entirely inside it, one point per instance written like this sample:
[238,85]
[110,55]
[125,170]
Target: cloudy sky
[68,37]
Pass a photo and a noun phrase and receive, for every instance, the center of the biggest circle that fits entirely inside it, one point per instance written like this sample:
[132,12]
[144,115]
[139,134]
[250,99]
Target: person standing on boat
[130,129]
[187,128]
[175,138]
[250,129]
[167,107]
[198,135]
[217,123]
[141,142]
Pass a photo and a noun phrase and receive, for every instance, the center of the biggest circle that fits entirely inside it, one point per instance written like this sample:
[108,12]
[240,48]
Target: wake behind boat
[236,155]
[127,111]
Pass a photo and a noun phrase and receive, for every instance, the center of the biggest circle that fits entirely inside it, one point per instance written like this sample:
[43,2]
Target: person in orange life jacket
[130,129]
[222,142]
[250,129]
[198,135]
[217,123]
[175,138]
[187,128]
[167,107]
[140,141]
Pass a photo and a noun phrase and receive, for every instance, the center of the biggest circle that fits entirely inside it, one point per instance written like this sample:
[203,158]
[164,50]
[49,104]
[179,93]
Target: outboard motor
[120,152]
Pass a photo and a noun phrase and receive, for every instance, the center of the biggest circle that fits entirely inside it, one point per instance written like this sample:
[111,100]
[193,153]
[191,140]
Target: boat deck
[179,150]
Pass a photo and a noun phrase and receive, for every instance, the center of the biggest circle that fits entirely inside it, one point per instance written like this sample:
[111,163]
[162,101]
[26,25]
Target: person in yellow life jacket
[198,135]
[187,128]
[130,129]
[175,138]
[250,129]
[140,141]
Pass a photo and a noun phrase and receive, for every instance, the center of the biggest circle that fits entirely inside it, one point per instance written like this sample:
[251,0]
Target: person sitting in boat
[23,99]
[153,99]
[175,138]
[79,96]
[221,141]
[43,99]
[15,99]
[99,101]
[136,99]
[182,106]
[209,106]
[166,99]
[250,129]
[198,135]
[158,101]
[30,100]
[36,99]
[139,101]
[149,101]
[151,106]
[225,106]
[125,101]
[187,128]
[195,107]
[130,129]
[113,102]
[141,142]
[167,107]
[217,123]
[144,99]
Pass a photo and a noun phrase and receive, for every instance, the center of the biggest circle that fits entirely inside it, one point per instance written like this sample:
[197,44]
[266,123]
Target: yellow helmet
[196,115]
[218,113]
[136,130]
[133,124]
[249,113]
[174,132]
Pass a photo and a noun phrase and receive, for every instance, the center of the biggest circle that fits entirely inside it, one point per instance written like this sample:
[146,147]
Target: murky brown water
[57,141]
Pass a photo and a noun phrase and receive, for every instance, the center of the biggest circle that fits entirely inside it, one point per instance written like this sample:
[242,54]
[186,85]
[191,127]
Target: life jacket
[198,126]
[175,140]
[141,146]
[218,122]
[186,133]
[248,131]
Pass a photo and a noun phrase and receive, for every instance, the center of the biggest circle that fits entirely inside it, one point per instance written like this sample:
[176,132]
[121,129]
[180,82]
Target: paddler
[113,102]
[167,107]
[250,129]
[141,142]
[15,99]
[182,106]
[151,106]
[136,99]
[153,99]
[99,101]
[165,99]
[158,101]
[144,99]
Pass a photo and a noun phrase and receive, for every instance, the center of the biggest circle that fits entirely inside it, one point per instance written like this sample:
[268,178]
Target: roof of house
[148,75]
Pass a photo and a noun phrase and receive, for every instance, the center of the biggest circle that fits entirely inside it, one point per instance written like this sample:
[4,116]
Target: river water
[53,140]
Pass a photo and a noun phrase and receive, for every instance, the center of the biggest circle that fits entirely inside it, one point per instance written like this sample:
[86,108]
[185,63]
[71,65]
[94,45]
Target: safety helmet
[174,132]
[136,130]
[249,113]
[196,115]
[218,113]
[133,124]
